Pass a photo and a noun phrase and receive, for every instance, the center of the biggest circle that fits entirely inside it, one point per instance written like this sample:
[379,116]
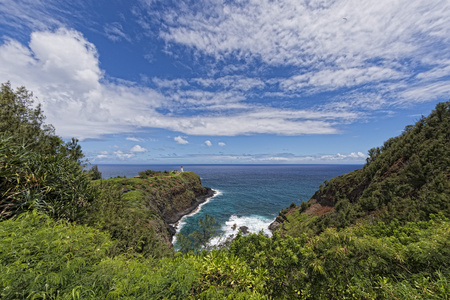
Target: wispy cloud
[345,33]
[36,15]
[334,79]
[133,139]
[172,84]
[102,154]
[122,154]
[114,31]
[236,82]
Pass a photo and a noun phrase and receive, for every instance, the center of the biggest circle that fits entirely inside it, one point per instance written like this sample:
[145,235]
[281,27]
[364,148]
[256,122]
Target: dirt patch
[318,210]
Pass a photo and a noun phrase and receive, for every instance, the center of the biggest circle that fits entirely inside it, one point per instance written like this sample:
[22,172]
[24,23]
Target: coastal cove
[246,195]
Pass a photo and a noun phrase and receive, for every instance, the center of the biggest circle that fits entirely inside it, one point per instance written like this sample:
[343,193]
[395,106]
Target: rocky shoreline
[176,217]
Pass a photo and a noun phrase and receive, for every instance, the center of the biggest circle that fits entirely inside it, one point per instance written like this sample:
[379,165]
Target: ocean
[246,195]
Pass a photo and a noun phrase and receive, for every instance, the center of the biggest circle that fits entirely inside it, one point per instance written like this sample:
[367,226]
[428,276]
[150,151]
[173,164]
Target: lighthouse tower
[182,169]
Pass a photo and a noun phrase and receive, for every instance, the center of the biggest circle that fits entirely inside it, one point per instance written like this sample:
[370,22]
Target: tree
[23,121]
[94,173]
[37,169]
[198,239]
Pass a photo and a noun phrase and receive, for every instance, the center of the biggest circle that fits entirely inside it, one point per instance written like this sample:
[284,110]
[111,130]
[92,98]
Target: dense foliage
[41,258]
[382,261]
[128,218]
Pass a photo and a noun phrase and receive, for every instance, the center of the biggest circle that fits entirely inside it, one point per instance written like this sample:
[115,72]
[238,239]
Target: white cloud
[375,48]
[180,140]
[221,144]
[122,155]
[25,14]
[102,154]
[133,139]
[138,149]
[426,91]
[166,83]
[351,156]
[62,70]
[208,143]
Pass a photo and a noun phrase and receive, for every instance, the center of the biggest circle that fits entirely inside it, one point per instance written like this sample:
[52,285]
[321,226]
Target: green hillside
[407,180]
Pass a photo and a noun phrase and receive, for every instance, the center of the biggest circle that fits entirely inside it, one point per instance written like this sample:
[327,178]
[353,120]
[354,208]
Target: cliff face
[407,179]
[143,209]
[174,197]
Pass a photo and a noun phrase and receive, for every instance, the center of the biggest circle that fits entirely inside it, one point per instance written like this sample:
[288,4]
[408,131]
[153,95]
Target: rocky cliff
[139,212]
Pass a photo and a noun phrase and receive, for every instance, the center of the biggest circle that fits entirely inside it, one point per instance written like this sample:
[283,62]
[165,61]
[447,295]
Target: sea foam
[254,223]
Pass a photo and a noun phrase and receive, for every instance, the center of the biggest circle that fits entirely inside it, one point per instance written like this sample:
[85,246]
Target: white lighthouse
[182,169]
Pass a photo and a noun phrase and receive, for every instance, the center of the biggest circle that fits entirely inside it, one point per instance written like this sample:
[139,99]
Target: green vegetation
[94,173]
[381,261]
[382,232]
[41,258]
[199,239]
[151,173]
[407,179]
[37,169]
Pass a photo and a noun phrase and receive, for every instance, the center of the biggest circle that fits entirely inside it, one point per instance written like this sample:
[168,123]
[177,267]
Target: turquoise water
[247,195]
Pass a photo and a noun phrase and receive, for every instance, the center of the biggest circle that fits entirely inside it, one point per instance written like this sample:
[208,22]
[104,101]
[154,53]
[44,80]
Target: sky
[228,82]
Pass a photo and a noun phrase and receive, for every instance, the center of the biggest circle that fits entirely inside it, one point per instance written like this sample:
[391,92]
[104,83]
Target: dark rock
[274,225]
[280,219]
[244,229]
[171,230]
[176,214]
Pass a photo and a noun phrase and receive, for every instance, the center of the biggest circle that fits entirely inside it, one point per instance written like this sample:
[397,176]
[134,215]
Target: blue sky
[245,81]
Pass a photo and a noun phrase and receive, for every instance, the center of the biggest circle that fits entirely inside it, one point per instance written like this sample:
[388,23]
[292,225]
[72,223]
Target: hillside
[139,212]
[407,179]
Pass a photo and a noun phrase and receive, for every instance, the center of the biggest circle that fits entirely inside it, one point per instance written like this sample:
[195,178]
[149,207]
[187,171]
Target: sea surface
[246,195]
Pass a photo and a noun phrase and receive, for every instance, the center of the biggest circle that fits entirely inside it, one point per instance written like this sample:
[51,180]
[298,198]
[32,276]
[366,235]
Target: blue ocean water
[247,195]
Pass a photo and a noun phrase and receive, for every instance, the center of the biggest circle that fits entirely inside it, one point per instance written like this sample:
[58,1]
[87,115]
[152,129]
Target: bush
[41,258]
[53,184]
